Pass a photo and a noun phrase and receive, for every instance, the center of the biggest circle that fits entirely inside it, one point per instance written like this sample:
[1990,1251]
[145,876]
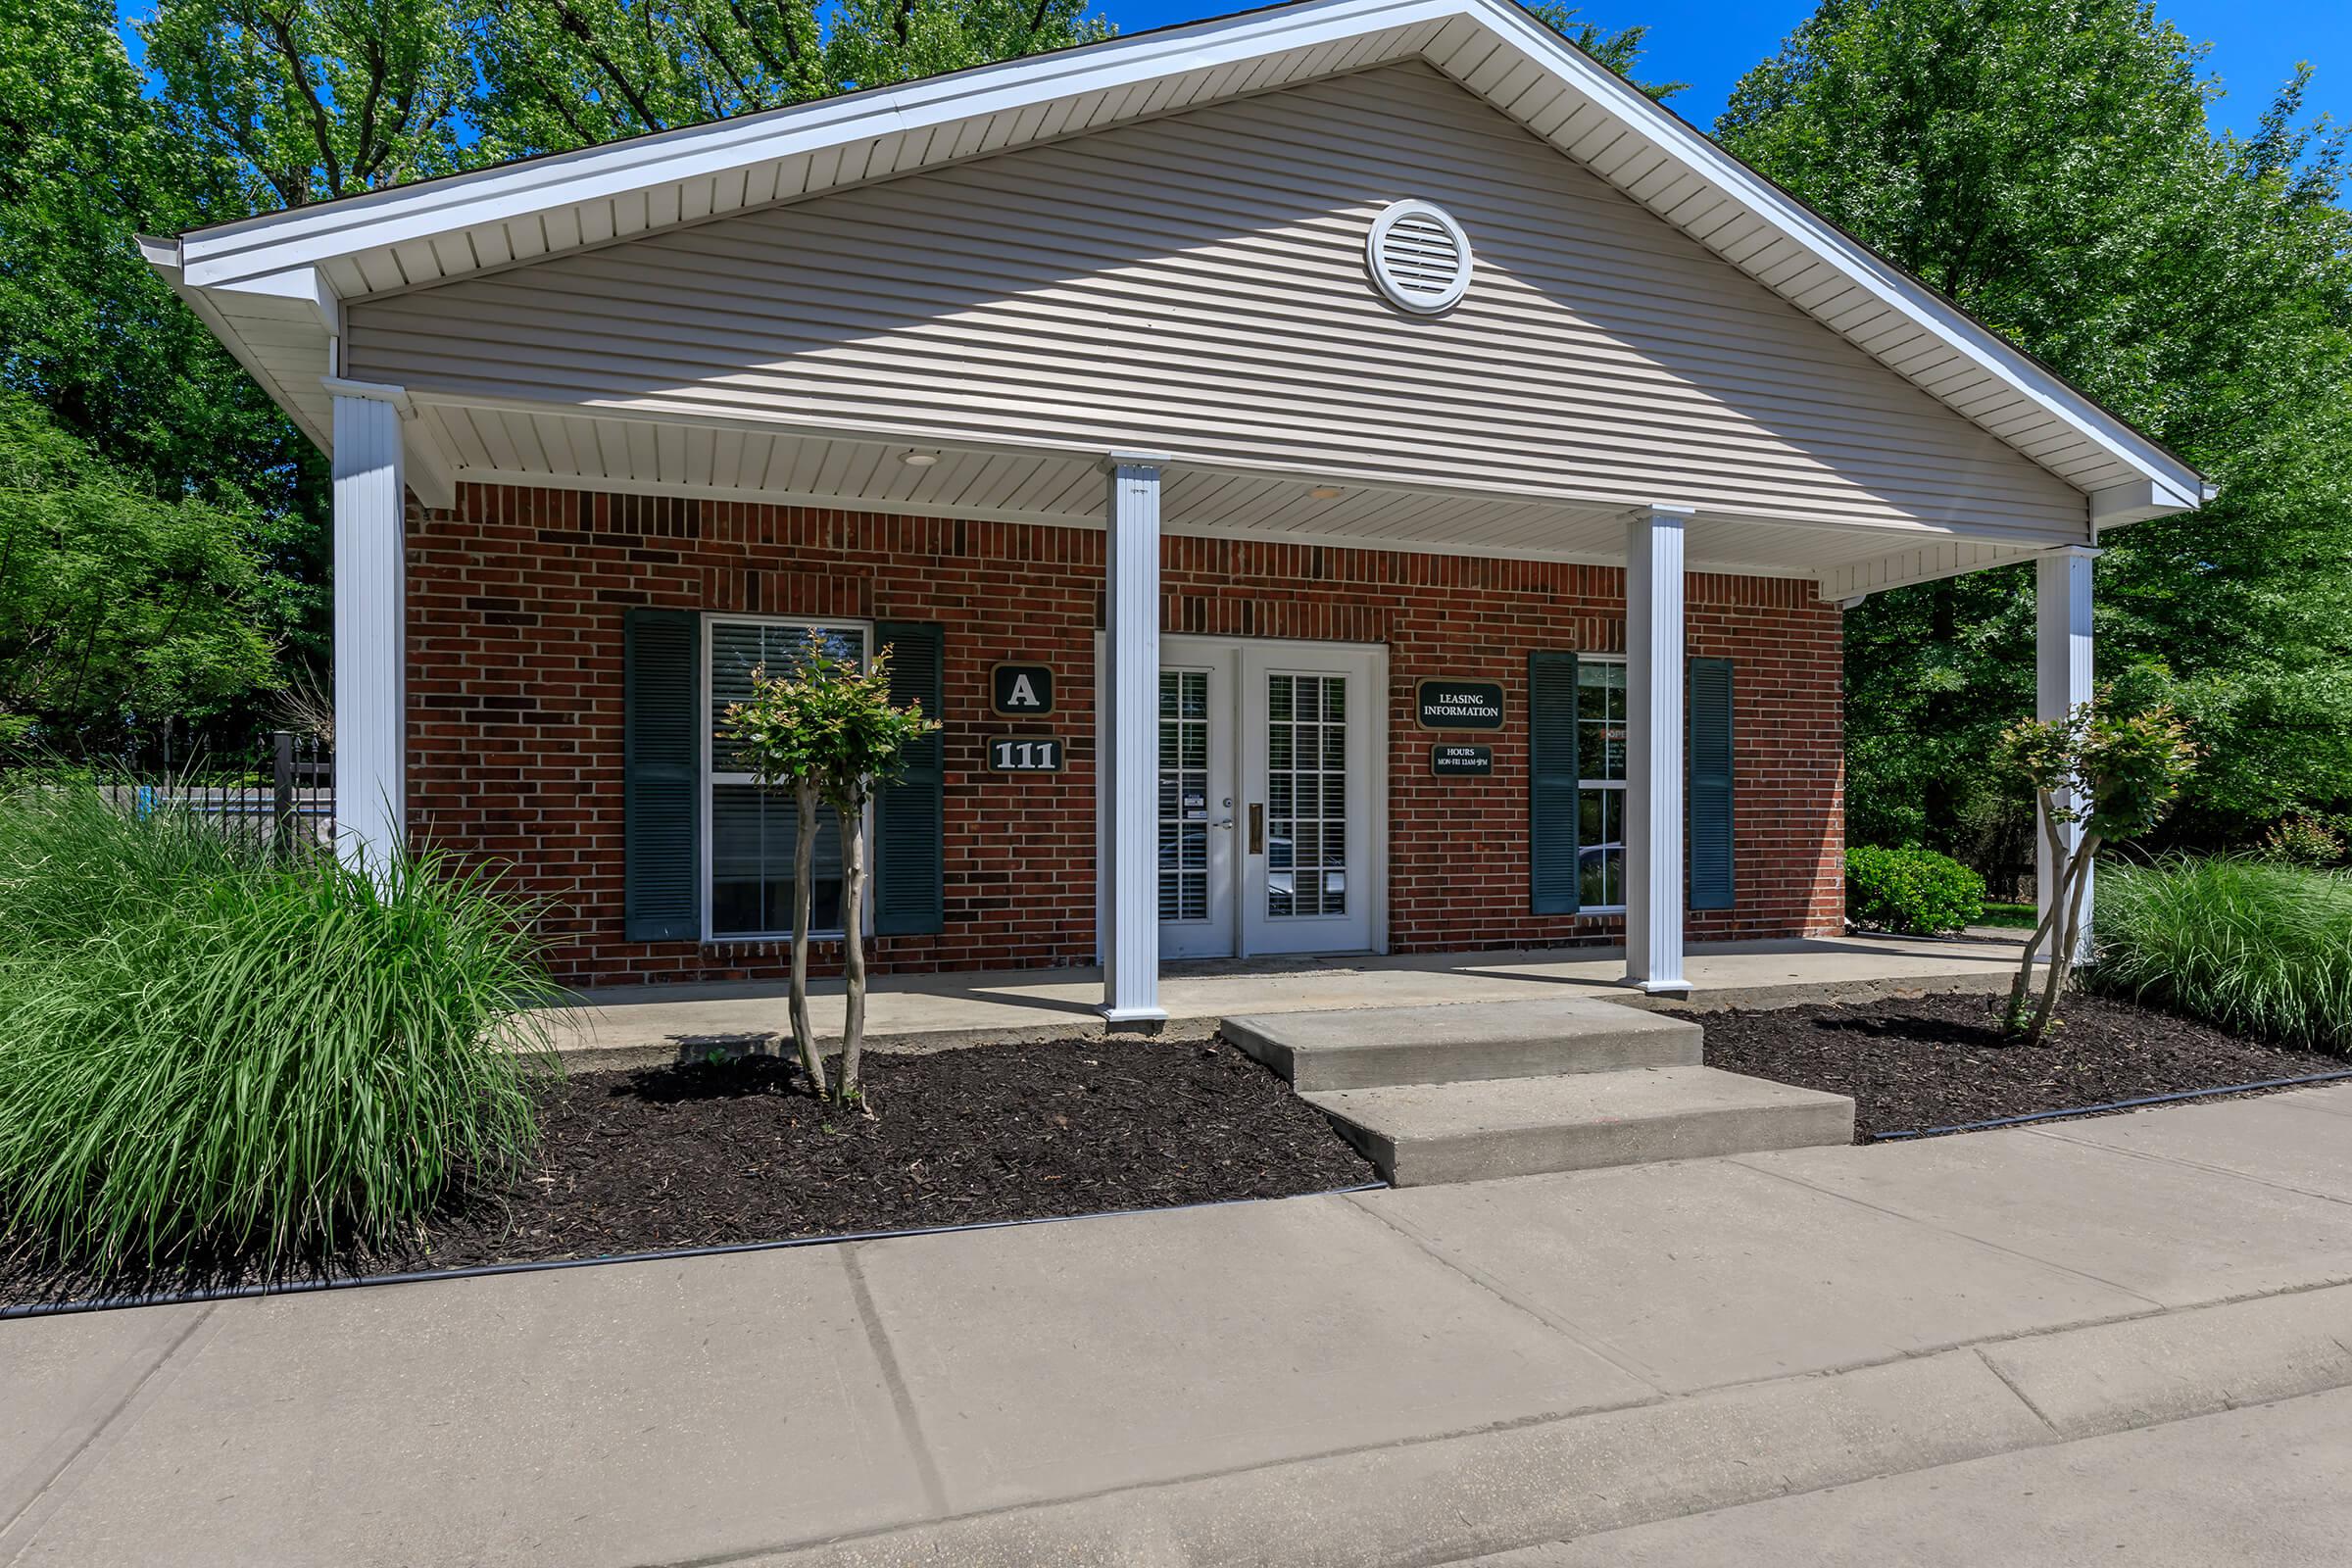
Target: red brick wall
[515,629]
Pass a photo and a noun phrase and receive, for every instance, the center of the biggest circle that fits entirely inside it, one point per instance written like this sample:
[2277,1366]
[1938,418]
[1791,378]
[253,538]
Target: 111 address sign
[1025,754]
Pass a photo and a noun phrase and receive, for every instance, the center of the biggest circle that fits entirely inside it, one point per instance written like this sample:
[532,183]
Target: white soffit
[765,466]
[288,271]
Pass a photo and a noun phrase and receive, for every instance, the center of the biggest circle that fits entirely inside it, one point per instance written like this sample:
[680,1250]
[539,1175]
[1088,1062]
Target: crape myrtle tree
[2112,774]
[828,732]
[2050,166]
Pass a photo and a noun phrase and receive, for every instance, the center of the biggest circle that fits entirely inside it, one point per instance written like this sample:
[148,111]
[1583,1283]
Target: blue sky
[1708,43]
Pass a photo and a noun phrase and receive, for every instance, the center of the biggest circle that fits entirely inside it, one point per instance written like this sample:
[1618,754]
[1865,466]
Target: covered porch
[1146,506]
[626,1026]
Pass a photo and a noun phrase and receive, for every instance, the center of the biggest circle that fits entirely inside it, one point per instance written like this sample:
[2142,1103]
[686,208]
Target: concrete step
[1419,1134]
[1461,1043]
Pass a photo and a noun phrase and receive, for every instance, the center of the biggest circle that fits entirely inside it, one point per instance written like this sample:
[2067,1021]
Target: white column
[371,642]
[1653,749]
[2061,681]
[1128,770]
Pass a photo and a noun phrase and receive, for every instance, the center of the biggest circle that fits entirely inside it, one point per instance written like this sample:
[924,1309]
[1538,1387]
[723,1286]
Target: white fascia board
[307,236]
[164,256]
[2116,505]
[307,285]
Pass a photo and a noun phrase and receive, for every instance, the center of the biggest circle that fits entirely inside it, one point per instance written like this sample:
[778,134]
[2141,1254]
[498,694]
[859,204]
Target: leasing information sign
[1461,705]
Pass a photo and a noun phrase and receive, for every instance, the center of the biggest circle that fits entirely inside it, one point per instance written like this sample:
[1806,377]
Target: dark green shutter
[1551,786]
[1710,706]
[909,895]
[660,778]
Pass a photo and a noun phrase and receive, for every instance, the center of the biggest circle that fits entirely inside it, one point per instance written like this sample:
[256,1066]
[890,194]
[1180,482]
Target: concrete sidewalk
[2268,1484]
[633,1025]
[1385,1378]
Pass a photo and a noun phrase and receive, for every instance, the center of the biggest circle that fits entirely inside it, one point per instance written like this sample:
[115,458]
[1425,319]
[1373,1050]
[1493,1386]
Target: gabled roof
[273,286]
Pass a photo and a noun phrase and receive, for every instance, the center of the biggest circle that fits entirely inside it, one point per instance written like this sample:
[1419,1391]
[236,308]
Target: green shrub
[2248,945]
[1916,892]
[2305,841]
[207,1057]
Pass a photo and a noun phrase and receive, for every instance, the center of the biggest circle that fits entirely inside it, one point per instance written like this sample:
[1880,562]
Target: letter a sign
[1021,691]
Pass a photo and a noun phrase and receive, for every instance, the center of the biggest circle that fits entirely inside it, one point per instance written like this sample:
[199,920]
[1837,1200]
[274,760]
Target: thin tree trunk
[803,868]
[852,942]
[2062,958]
[2074,903]
[2014,1018]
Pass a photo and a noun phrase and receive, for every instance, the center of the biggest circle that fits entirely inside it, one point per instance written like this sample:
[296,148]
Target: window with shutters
[751,831]
[1601,726]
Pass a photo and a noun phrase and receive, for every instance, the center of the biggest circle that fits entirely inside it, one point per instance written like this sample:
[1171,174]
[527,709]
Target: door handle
[1226,823]
[1257,828]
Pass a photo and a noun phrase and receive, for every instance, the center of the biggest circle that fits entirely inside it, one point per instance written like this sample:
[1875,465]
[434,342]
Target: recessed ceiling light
[1325,492]
[919,460]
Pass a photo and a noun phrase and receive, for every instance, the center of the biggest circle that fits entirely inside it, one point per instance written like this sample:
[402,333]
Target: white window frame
[710,778]
[1599,911]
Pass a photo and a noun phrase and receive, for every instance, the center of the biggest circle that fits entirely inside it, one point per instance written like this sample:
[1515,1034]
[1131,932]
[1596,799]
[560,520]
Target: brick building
[1354,476]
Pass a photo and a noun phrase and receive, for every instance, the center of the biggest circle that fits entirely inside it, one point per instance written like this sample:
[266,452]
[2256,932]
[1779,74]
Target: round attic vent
[1419,257]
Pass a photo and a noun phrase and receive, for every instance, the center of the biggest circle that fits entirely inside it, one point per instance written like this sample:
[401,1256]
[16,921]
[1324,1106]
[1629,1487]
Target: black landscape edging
[2113,1104]
[472,1271]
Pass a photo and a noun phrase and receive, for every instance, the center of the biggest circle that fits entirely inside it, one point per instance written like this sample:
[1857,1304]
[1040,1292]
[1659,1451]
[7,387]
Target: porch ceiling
[776,467]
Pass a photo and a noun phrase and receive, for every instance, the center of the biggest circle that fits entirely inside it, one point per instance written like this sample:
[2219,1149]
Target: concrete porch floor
[620,1026]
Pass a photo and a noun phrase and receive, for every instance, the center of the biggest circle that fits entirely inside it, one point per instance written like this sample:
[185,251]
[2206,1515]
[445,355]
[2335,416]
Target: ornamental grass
[213,1059]
[2251,945]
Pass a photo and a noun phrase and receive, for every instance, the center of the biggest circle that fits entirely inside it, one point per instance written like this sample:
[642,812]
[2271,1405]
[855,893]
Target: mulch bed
[1939,1061]
[718,1153]
[702,1155]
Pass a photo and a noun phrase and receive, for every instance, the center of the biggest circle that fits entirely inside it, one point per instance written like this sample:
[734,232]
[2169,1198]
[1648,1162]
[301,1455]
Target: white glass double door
[1268,784]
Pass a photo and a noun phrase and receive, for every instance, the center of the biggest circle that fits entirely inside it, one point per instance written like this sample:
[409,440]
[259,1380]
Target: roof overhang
[274,286]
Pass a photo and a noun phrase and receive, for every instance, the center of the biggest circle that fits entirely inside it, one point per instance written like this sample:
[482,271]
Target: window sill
[737,937]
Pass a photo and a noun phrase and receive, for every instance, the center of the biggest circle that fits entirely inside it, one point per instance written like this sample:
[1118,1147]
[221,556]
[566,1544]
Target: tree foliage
[2049,165]
[117,604]
[563,73]
[315,99]
[86,329]
[1619,49]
